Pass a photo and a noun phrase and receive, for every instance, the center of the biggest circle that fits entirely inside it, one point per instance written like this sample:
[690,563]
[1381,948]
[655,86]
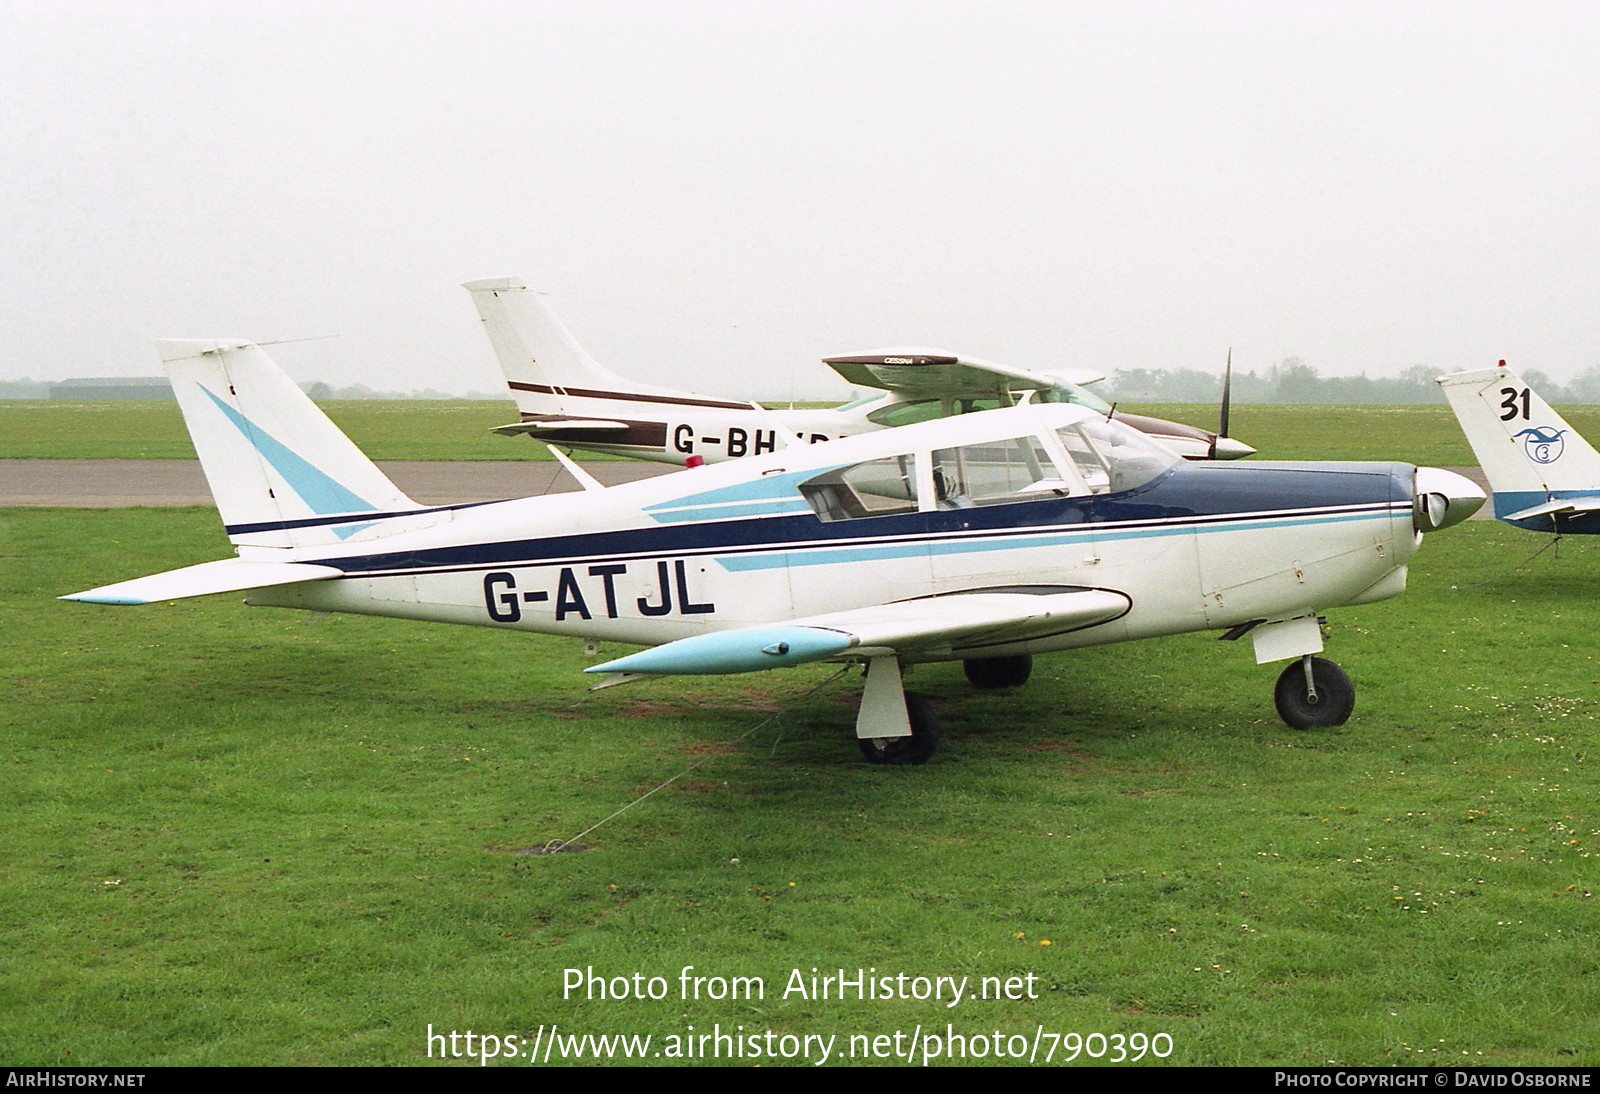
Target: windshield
[1072,393]
[1113,457]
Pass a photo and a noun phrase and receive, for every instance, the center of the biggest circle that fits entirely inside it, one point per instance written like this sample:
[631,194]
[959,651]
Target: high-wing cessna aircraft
[1542,474]
[985,538]
[566,397]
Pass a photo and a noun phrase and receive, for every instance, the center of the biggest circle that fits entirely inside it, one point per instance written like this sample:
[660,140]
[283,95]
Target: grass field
[153,430]
[416,430]
[258,837]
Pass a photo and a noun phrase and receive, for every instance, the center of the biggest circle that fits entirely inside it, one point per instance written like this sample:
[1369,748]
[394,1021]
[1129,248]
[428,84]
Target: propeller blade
[1227,392]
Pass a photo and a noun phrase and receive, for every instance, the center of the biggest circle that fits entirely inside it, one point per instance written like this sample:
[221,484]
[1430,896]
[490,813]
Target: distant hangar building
[112,387]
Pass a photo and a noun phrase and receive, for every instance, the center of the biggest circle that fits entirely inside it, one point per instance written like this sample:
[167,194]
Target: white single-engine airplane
[984,538]
[1542,475]
[566,397]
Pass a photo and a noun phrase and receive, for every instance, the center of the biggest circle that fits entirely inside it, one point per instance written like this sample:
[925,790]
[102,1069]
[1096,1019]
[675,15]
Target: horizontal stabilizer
[1560,505]
[229,575]
[556,428]
[908,626]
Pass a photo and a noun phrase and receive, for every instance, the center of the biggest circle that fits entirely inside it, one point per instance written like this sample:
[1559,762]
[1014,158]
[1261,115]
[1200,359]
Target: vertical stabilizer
[283,475]
[1536,464]
[545,367]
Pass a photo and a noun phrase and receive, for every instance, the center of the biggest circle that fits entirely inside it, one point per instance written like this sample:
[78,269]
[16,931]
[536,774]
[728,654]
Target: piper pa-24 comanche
[568,398]
[1542,474]
[985,538]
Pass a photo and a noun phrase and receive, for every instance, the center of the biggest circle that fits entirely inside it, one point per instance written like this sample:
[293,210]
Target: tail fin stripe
[320,492]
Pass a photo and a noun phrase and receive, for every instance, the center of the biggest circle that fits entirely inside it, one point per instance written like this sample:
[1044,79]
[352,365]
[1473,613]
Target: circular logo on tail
[1543,445]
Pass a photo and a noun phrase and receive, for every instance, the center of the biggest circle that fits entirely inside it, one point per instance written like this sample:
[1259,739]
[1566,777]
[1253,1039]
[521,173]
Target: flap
[977,618]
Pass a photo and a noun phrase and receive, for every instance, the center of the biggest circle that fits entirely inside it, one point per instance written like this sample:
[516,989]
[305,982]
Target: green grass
[418,430]
[153,430]
[262,837]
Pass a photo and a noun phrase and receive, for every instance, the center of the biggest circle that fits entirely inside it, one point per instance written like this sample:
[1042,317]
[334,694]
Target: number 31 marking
[1512,397]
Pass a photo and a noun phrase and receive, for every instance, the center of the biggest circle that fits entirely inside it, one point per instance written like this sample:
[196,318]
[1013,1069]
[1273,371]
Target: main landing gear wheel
[1325,699]
[998,672]
[918,748]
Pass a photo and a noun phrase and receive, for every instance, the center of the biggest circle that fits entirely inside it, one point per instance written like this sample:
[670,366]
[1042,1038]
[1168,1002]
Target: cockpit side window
[875,488]
[992,472]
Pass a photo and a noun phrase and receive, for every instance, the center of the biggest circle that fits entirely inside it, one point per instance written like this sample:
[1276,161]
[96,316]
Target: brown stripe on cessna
[628,396]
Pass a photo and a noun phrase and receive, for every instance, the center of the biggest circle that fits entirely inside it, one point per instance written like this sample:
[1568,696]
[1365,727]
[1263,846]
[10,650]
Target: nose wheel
[1313,692]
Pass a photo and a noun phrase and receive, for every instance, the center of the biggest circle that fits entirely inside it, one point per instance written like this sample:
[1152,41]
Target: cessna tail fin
[283,475]
[545,367]
[1537,465]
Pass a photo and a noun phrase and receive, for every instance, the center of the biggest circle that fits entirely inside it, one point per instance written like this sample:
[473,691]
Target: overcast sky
[716,194]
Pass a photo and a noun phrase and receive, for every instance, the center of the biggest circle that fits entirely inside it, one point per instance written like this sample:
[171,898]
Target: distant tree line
[24,389]
[1294,381]
[321,392]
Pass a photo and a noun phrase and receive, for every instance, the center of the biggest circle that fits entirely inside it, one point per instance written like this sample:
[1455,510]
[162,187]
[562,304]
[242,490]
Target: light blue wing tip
[86,598]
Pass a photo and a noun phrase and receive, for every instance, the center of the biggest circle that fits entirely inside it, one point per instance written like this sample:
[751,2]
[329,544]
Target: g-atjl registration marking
[594,592]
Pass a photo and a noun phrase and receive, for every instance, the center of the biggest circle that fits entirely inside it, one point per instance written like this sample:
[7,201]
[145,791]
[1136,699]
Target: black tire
[1336,695]
[998,672]
[918,748]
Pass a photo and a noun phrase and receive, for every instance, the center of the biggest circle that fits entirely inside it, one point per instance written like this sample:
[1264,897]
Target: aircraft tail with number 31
[1544,476]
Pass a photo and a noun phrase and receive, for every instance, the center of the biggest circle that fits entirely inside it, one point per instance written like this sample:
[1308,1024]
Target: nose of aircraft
[1226,448]
[1443,498]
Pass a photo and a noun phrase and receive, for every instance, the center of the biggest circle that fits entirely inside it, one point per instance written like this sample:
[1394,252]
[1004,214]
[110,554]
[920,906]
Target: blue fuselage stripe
[1186,501]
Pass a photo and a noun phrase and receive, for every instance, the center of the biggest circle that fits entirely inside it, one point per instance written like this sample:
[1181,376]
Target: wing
[946,623]
[937,373]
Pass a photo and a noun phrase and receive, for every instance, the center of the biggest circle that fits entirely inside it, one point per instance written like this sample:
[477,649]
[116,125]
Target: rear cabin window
[924,410]
[876,488]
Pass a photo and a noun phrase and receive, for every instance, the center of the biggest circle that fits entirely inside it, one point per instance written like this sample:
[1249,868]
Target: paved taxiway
[110,484]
